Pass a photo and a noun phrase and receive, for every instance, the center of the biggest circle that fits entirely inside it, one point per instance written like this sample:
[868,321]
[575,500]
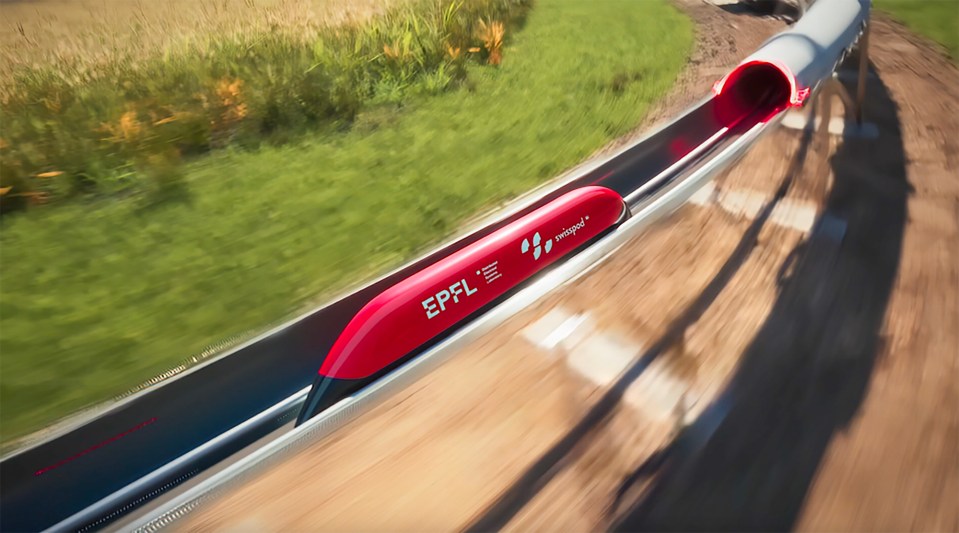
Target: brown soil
[819,367]
[895,466]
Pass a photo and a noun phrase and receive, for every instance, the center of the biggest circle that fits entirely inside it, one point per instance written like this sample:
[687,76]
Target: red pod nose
[416,310]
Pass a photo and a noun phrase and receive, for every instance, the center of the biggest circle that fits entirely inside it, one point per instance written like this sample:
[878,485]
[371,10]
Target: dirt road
[794,328]
[895,464]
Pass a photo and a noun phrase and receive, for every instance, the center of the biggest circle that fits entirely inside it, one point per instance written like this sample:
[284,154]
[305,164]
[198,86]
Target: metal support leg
[863,71]
[825,108]
[853,109]
[847,102]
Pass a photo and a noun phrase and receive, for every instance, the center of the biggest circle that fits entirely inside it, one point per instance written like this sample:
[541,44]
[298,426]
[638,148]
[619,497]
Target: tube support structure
[863,71]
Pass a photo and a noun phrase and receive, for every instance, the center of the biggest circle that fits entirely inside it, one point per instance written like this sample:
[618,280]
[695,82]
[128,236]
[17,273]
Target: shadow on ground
[764,8]
[567,449]
[748,461]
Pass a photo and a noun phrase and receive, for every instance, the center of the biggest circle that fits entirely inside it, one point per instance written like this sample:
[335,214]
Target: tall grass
[99,296]
[124,126]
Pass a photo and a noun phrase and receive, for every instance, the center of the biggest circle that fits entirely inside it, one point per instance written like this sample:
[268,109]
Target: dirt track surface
[794,328]
[895,465]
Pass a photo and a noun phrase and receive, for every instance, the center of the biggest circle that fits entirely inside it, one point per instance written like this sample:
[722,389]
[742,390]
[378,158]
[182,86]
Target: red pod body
[414,311]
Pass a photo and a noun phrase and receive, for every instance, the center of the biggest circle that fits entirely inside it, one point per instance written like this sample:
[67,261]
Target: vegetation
[91,31]
[103,291]
[71,129]
[936,19]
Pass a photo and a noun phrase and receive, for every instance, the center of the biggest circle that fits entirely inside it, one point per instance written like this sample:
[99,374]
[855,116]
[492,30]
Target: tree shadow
[748,461]
[561,454]
[778,9]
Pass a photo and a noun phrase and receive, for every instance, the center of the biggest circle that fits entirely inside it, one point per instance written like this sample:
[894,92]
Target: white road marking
[563,331]
[552,328]
[602,357]
[838,125]
[657,392]
[705,195]
[788,213]
[799,216]
[744,202]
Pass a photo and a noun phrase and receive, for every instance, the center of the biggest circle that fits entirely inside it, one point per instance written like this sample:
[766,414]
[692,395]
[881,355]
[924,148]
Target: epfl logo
[537,250]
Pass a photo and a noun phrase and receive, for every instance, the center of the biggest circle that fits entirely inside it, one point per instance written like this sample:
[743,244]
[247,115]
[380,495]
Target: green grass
[97,296]
[936,19]
[122,125]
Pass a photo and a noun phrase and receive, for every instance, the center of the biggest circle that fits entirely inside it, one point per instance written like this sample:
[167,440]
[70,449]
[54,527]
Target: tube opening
[755,87]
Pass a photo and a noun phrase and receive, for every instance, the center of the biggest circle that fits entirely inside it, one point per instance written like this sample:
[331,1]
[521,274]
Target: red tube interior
[756,88]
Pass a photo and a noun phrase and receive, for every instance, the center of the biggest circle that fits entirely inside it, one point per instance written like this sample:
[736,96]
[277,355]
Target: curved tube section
[790,65]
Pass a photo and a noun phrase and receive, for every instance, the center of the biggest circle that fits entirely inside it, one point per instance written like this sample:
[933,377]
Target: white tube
[809,51]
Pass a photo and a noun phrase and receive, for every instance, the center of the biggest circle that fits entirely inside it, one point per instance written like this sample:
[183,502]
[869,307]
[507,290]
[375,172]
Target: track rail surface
[154,440]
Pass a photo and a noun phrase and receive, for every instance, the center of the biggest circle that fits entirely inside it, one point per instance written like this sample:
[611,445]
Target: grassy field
[90,127]
[936,19]
[97,296]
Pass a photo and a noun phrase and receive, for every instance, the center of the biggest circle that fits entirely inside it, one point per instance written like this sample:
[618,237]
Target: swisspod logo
[537,249]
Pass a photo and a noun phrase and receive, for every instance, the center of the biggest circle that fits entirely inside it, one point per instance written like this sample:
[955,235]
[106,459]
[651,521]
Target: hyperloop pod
[406,317]
[785,70]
